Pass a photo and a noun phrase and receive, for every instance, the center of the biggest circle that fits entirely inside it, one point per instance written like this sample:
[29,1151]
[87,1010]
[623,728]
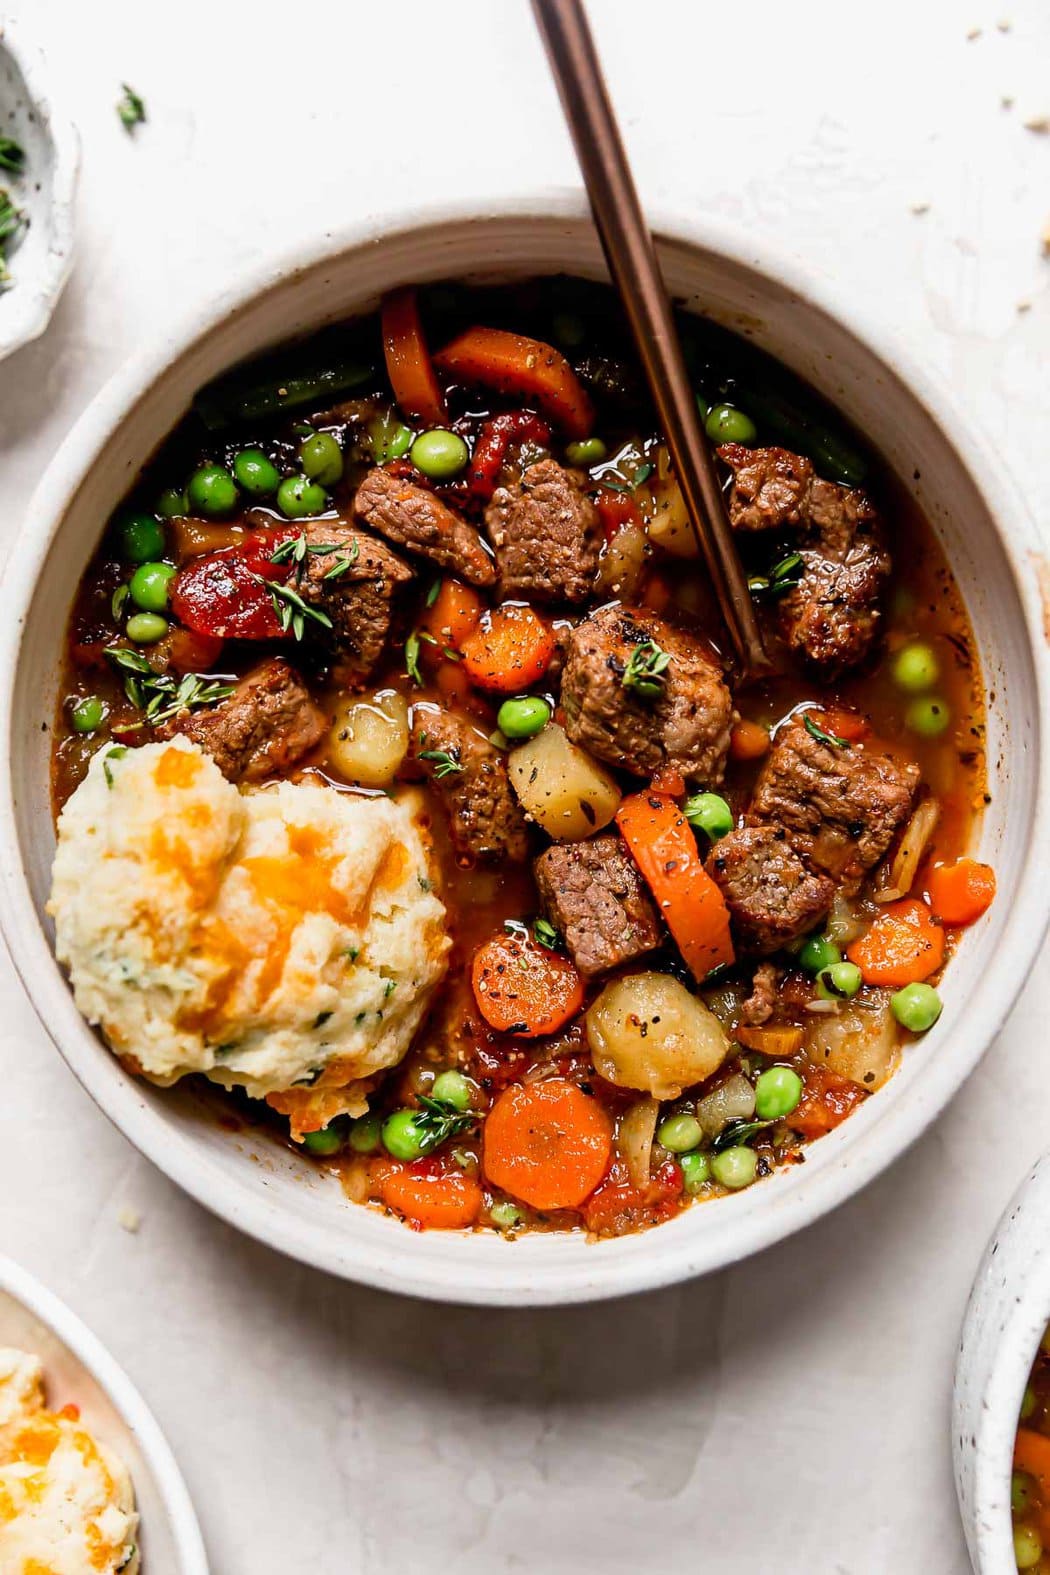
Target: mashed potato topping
[66,1503]
[286,940]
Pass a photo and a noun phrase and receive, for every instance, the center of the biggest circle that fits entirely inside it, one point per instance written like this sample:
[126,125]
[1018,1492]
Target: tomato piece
[827,1101]
[494,439]
[615,510]
[222,594]
[617,1207]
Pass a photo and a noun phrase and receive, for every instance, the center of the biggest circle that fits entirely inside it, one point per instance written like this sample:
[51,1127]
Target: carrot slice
[548,1144]
[615,510]
[959,893]
[903,946]
[1032,1454]
[408,363]
[430,1198]
[454,614]
[509,651]
[664,848]
[525,369]
[524,989]
[748,741]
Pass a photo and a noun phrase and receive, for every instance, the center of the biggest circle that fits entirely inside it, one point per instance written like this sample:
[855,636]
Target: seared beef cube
[356,583]
[684,724]
[593,894]
[266,726]
[831,617]
[757,1008]
[411,517]
[486,822]
[841,805]
[547,535]
[771,896]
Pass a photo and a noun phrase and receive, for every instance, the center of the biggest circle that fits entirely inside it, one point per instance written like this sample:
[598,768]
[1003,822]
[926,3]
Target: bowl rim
[473,1283]
[126,1400]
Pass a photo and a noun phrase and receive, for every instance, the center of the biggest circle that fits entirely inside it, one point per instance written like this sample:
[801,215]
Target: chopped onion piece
[634,1139]
[898,879]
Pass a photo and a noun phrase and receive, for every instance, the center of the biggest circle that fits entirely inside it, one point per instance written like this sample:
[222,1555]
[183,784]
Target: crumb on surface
[920,207]
[1038,123]
[129,1219]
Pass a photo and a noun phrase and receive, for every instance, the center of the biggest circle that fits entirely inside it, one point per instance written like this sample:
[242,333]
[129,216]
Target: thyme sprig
[646,672]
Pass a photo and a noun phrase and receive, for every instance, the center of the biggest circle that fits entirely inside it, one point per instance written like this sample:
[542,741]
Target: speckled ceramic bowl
[40,263]
[264,1188]
[80,1371]
[1008,1311]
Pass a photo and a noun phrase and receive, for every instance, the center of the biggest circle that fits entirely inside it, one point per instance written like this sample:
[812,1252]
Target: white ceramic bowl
[40,265]
[1008,1311]
[80,1371]
[271,1193]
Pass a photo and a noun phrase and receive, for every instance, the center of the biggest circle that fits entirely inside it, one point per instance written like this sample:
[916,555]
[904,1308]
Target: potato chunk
[561,787]
[648,1032]
[369,738]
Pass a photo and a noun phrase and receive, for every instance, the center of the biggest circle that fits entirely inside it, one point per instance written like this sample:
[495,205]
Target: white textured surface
[791,1413]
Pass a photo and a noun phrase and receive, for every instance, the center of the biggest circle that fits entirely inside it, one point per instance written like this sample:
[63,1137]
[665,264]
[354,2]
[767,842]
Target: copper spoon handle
[631,257]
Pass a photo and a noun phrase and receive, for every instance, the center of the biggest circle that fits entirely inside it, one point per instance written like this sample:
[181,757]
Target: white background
[790,1414]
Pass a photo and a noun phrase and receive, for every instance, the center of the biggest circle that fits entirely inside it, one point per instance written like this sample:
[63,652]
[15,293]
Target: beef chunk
[361,599]
[266,726]
[547,535]
[771,896]
[831,617]
[758,1007]
[592,892]
[841,807]
[486,822]
[411,517]
[686,726]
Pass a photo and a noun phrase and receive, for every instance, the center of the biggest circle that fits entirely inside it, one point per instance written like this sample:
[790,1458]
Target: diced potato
[369,738]
[622,565]
[858,1042]
[648,1032]
[561,787]
[666,518]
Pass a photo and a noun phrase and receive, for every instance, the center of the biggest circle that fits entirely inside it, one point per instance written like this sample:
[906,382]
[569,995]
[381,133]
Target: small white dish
[46,190]
[79,1370]
[1008,1311]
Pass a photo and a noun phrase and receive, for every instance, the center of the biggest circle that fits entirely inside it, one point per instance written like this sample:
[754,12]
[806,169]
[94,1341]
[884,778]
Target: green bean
[247,395]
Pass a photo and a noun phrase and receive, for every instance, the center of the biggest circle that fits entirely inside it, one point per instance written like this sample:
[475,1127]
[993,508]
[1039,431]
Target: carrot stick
[408,362]
[903,946]
[430,1198]
[525,369]
[748,741]
[547,1143]
[959,893]
[524,989]
[1032,1454]
[509,651]
[664,848]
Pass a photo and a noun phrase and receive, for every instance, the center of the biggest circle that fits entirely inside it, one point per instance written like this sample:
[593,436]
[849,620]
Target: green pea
[149,586]
[725,424]
[817,953]
[505,1215]
[916,1007]
[695,1171]
[524,717]
[146,628]
[389,438]
[452,1088]
[928,717]
[1028,1547]
[1027,1403]
[777,1093]
[329,1140]
[1022,1492]
[679,1133]
[735,1167]
[401,1135]
[709,813]
[255,474]
[439,454]
[141,537]
[212,491]
[916,668]
[839,982]
[87,715]
[298,496]
[590,452]
[321,458]
[172,504]
[366,1134]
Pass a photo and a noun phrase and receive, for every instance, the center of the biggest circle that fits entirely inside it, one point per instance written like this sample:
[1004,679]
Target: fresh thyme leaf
[12,155]
[433,593]
[412,658]
[11,221]
[735,1133]
[823,738]
[291,551]
[641,474]
[647,669]
[343,562]
[129,661]
[785,574]
[131,108]
[437,1121]
[545,934]
[445,764]
[291,610]
[158,694]
[116,753]
[120,596]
